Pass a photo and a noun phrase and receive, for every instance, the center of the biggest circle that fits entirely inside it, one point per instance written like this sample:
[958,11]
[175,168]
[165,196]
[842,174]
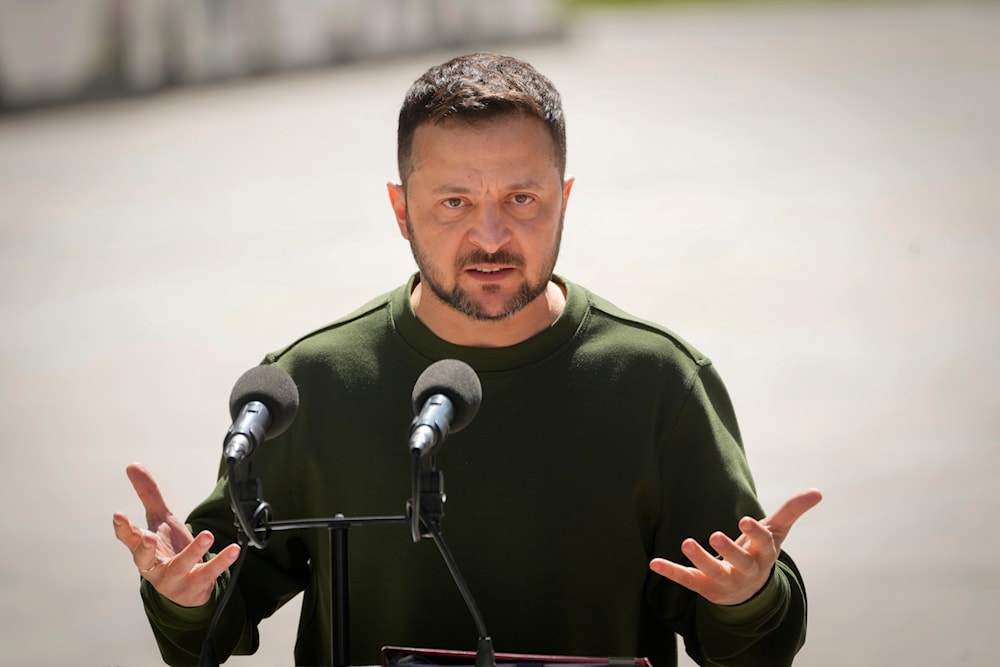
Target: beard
[466,303]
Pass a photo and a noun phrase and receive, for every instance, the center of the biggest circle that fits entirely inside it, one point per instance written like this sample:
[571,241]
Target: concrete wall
[61,50]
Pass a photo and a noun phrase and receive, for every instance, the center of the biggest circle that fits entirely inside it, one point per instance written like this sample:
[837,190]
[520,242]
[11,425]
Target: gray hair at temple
[480,87]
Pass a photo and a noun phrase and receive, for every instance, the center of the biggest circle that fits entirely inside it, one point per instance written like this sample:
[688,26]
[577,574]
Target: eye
[522,199]
[453,202]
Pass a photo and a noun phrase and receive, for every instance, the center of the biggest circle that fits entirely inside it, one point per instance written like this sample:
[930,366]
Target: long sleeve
[767,629]
[624,438]
[268,580]
[707,486]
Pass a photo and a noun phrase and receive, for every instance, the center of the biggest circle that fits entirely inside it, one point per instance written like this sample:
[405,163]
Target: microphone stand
[244,495]
[427,508]
[338,525]
[256,530]
[424,512]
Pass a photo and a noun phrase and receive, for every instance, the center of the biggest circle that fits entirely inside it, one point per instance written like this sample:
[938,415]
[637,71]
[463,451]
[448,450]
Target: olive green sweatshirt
[601,443]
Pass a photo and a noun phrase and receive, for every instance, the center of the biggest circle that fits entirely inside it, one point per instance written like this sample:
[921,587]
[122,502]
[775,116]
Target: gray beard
[460,300]
[463,302]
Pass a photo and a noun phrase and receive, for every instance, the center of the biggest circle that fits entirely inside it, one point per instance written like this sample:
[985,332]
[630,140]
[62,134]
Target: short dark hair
[479,87]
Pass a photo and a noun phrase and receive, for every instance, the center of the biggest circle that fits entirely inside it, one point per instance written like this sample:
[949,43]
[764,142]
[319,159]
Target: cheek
[541,231]
[436,241]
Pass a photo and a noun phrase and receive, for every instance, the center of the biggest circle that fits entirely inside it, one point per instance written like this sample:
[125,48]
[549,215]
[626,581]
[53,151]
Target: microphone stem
[208,656]
[484,653]
[415,511]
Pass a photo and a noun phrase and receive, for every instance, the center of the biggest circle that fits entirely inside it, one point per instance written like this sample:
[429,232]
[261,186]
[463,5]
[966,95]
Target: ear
[567,188]
[397,197]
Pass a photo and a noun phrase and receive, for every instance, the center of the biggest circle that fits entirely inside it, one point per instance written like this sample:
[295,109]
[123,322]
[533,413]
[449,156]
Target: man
[599,503]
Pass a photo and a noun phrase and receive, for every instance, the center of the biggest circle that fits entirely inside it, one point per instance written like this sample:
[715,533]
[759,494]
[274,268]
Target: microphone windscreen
[456,380]
[273,387]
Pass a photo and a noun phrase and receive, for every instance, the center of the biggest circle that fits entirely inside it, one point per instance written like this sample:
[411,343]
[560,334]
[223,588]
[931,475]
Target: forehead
[509,142]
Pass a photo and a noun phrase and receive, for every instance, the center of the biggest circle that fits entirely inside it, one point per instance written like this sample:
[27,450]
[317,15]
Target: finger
[193,586]
[127,532]
[194,553]
[701,559]
[144,545]
[222,561]
[145,555]
[781,521]
[732,552]
[154,564]
[187,578]
[687,577]
[148,491]
[756,536]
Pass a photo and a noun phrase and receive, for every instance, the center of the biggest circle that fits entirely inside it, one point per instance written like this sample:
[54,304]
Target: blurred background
[807,191]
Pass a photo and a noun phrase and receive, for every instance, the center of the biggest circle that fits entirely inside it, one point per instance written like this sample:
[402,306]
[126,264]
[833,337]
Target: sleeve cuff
[178,615]
[761,605]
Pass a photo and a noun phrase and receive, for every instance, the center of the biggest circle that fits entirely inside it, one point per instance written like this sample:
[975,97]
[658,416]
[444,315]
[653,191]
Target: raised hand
[744,564]
[166,553]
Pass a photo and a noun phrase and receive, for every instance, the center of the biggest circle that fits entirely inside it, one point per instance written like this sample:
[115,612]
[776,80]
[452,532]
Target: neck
[460,329]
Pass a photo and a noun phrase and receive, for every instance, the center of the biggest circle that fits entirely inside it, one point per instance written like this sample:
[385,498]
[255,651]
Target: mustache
[478,256]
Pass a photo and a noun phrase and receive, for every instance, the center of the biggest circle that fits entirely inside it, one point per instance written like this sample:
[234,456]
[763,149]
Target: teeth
[489,270]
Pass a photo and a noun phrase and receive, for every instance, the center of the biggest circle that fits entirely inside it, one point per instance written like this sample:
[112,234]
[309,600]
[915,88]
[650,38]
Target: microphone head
[456,380]
[273,387]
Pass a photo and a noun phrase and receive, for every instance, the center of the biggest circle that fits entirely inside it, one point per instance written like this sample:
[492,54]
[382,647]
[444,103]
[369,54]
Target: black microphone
[446,398]
[262,404]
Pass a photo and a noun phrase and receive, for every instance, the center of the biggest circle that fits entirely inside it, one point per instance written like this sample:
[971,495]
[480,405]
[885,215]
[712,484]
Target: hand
[744,564]
[167,555]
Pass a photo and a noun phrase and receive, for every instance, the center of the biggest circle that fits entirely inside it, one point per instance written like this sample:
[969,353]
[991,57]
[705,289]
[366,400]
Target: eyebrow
[462,190]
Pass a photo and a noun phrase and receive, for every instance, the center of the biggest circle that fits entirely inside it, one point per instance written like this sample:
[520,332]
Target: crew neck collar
[489,359]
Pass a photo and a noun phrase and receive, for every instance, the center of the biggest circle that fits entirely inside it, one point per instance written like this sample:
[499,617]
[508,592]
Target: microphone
[262,404]
[446,398]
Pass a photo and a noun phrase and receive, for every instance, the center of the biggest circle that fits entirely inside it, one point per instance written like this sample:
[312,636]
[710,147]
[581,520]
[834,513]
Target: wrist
[761,603]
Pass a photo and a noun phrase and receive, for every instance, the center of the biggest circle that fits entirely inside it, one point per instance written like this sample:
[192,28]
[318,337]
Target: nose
[489,231]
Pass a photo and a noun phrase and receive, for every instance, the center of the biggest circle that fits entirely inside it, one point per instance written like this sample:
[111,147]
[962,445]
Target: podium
[401,656]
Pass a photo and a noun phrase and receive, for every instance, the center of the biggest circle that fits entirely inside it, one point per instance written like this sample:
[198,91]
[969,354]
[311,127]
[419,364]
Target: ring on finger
[150,568]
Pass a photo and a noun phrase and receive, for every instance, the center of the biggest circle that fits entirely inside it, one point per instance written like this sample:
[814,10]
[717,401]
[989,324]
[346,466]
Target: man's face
[483,212]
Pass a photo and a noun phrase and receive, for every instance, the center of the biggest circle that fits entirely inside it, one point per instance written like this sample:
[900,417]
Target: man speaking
[600,503]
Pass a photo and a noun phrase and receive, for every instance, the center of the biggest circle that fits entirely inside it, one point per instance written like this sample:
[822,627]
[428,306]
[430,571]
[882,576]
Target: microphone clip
[429,508]
[251,513]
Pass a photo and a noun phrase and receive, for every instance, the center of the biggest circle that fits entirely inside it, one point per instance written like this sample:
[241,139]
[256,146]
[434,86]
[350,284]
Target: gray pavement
[809,193]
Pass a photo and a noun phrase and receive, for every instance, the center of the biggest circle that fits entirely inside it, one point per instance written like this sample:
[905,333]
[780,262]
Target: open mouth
[489,272]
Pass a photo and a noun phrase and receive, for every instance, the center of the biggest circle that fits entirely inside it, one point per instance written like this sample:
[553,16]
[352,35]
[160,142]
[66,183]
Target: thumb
[148,491]
[781,521]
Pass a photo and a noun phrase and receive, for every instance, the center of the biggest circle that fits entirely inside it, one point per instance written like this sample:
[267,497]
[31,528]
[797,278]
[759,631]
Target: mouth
[489,272]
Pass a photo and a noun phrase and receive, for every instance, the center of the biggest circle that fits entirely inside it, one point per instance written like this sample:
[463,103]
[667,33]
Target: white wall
[61,50]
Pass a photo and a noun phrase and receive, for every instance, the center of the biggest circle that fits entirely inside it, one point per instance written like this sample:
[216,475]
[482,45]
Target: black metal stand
[425,510]
[338,526]
[424,513]
[340,597]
